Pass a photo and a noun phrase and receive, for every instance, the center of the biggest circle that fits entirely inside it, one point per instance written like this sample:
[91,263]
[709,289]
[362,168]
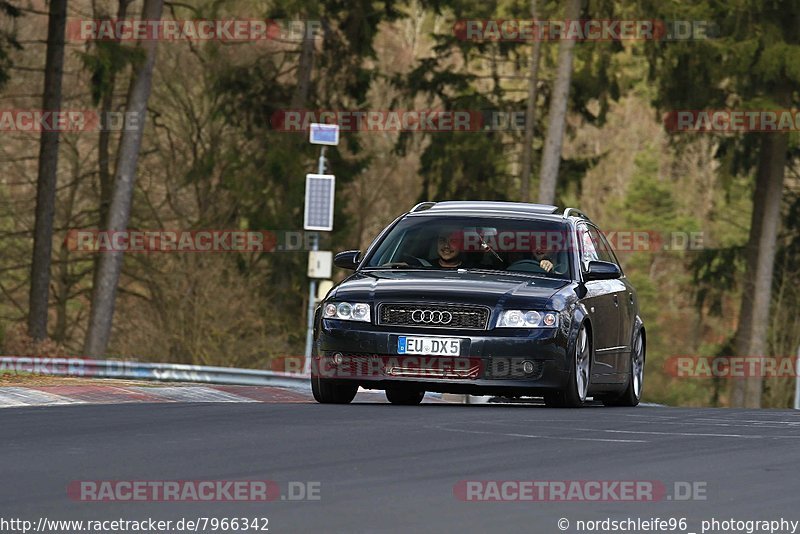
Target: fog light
[338,358]
[527,367]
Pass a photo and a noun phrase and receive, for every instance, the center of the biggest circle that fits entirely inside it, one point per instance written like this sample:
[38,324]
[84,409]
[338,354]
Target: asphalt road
[384,468]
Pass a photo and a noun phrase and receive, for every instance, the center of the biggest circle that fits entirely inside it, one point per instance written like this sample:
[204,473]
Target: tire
[404,397]
[633,392]
[327,392]
[574,393]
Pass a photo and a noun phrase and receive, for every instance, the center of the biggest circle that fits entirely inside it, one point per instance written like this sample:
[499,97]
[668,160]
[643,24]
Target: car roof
[496,209]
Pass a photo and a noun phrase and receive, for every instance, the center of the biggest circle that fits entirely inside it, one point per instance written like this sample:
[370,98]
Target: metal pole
[797,381]
[312,283]
[312,301]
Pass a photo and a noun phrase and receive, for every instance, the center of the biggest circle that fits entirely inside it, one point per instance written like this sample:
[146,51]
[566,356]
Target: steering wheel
[527,266]
[414,261]
[408,260]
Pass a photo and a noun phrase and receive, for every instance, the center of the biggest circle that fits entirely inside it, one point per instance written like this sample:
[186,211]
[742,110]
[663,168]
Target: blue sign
[324,134]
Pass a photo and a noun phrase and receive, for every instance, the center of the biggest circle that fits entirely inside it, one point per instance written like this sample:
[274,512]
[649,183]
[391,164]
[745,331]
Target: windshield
[511,245]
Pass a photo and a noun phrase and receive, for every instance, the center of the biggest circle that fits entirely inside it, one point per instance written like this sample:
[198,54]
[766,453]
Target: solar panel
[318,213]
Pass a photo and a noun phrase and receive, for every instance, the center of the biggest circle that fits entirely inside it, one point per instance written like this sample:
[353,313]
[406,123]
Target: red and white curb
[11,396]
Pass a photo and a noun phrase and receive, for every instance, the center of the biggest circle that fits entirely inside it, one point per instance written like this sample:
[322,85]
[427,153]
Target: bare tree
[104,143]
[304,68]
[105,133]
[530,111]
[46,183]
[754,318]
[551,156]
[110,264]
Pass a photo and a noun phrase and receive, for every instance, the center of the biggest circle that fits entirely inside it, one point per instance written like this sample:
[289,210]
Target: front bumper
[511,362]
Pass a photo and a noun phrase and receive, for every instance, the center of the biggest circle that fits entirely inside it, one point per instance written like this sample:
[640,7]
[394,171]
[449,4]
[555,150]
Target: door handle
[616,300]
[630,297]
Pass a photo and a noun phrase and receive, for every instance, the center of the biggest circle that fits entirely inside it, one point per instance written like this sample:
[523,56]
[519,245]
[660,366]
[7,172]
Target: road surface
[384,468]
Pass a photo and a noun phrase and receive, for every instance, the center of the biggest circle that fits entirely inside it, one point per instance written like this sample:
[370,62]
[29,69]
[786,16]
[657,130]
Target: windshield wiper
[390,266]
[512,273]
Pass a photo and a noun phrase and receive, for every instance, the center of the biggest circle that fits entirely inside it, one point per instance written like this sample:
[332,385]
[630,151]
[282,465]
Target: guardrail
[164,372]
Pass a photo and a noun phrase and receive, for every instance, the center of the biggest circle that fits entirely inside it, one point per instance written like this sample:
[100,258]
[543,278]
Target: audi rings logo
[431,317]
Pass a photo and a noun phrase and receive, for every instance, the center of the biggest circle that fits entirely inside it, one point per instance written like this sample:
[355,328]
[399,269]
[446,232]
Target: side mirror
[602,270]
[347,259]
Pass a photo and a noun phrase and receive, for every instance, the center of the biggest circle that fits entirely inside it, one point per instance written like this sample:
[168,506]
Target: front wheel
[633,393]
[574,394]
[404,397]
[327,392]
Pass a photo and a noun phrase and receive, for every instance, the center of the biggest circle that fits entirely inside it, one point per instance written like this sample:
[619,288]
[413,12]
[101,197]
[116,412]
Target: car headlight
[347,311]
[527,319]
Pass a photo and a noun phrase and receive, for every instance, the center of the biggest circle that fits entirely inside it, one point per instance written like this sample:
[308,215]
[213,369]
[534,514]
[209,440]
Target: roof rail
[487,205]
[422,206]
[577,213]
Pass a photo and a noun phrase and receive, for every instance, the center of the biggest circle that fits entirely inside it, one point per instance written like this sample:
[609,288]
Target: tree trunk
[110,264]
[754,318]
[103,151]
[64,280]
[551,156]
[46,181]
[530,112]
[304,67]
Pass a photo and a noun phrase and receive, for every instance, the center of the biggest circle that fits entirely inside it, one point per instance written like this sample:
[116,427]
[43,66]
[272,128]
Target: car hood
[446,286]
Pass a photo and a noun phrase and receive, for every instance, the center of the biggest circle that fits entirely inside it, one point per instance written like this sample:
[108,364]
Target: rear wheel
[404,397]
[633,393]
[574,394]
[327,392]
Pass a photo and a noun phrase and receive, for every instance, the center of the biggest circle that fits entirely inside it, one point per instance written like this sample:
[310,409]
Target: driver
[547,262]
[450,249]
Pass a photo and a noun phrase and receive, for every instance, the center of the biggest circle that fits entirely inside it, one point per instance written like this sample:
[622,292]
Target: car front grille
[434,316]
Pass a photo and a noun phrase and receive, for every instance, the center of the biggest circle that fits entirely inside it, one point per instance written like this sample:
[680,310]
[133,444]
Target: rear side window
[594,246]
[587,247]
[601,246]
[607,251]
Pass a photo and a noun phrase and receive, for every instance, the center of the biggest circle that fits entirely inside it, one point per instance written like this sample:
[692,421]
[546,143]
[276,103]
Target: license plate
[431,346]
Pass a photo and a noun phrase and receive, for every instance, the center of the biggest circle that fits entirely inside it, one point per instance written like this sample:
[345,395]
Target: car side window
[588,250]
[601,246]
[609,252]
